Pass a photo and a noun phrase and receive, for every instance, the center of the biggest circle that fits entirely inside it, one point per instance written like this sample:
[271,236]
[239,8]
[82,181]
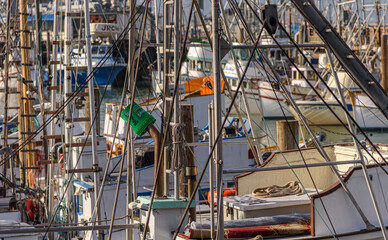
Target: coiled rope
[177,155]
[290,188]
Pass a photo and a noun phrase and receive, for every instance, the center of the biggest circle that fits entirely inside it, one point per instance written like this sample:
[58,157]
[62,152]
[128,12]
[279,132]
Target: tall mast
[131,166]
[25,116]
[177,117]
[53,89]
[68,114]
[6,67]
[217,114]
[92,109]
[38,69]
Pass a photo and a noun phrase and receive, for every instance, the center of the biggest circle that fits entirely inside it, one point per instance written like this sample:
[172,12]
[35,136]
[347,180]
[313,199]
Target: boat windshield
[102,50]
[94,50]
[242,54]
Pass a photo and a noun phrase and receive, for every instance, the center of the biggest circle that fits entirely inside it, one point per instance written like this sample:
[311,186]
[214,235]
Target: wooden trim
[76,68]
[80,94]
[82,119]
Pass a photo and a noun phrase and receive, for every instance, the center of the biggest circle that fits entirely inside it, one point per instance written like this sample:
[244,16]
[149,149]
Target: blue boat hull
[102,77]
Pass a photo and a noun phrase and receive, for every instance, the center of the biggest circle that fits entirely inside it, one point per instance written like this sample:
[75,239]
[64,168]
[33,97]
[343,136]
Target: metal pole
[53,108]
[67,89]
[157,42]
[359,152]
[217,115]
[6,67]
[131,166]
[38,68]
[92,109]
[177,116]
[211,169]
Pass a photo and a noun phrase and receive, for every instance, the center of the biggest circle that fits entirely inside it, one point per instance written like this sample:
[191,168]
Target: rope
[177,156]
[290,188]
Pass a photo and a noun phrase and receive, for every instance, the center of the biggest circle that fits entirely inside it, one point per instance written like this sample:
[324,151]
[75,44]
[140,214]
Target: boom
[348,60]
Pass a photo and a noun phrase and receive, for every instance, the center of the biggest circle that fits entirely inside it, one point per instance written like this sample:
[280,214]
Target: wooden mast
[25,116]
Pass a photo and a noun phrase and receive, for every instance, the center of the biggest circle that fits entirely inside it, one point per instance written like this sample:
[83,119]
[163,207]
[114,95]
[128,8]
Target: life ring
[30,208]
[227,192]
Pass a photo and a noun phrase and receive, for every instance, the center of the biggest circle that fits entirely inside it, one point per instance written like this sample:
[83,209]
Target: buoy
[30,208]
[227,192]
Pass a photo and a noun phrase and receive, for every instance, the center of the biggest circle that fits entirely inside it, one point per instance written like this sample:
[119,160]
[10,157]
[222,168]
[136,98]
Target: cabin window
[244,54]
[199,66]
[208,66]
[94,50]
[102,50]
[80,204]
[294,75]
[310,75]
[272,54]
[245,84]
[234,82]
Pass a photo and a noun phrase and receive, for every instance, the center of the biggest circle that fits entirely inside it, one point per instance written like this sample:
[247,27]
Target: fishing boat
[264,94]
[107,73]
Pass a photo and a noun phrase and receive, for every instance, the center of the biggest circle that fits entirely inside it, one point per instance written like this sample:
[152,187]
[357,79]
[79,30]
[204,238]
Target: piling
[287,134]
[190,170]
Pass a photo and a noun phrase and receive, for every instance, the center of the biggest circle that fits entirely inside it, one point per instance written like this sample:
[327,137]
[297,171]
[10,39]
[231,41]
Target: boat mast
[217,115]
[131,166]
[92,114]
[67,85]
[6,67]
[38,69]
[25,115]
[53,89]
[177,116]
